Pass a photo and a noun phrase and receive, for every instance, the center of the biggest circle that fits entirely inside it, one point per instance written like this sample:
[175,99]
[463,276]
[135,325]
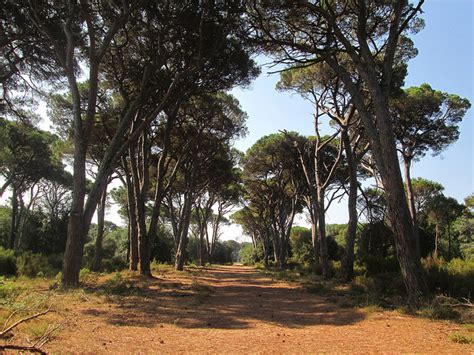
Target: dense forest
[138,98]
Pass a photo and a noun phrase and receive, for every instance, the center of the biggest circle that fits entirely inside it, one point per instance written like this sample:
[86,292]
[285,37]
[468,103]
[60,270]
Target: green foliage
[114,248]
[301,245]
[30,264]
[163,247]
[9,289]
[454,278]
[7,262]
[5,225]
[250,255]
[222,253]
[376,251]
[87,277]
[461,338]
[427,119]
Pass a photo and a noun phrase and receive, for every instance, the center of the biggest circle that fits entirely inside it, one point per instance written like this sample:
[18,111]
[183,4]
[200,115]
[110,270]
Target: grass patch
[461,338]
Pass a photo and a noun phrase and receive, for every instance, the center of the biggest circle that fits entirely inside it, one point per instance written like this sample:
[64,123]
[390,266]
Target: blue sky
[445,61]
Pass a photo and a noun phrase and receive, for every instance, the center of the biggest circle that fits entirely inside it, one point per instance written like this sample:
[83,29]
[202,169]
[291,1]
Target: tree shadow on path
[224,297]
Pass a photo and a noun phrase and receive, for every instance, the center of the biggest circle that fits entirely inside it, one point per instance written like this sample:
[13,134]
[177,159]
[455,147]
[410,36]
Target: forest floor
[226,309]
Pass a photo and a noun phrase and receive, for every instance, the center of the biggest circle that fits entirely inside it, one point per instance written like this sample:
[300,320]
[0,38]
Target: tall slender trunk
[76,230]
[183,235]
[323,247]
[437,237]
[202,253]
[14,216]
[380,134]
[315,241]
[351,207]
[132,219]
[96,265]
[411,202]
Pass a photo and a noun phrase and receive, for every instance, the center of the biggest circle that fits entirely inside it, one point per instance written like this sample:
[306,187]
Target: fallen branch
[22,348]
[17,323]
[453,302]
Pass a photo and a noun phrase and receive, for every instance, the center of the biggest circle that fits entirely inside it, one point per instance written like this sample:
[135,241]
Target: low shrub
[454,278]
[30,265]
[461,338]
[87,276]
[7,262]
[115,263]
[8,290]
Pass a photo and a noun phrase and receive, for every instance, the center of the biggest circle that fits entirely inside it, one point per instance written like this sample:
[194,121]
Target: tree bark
[183,234]
[352,208]
[411,201]
[323,247]
[14,215]
[132,219]
[96,265]
[76,230]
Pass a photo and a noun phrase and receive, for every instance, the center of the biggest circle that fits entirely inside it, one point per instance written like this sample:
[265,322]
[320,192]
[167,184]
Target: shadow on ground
[227,297]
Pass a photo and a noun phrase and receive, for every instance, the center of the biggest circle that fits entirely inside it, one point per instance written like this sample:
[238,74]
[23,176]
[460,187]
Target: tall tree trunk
[180,258]
[132,219]
[437,237]
[411,202]
[323,247]
[14,216]
[352,209]
[380,134]
[76,227]
[202,260]
[96,265]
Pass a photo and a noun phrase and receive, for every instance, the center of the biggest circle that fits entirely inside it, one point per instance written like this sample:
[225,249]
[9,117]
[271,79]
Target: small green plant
[461,338]
[9,290]
[87,277]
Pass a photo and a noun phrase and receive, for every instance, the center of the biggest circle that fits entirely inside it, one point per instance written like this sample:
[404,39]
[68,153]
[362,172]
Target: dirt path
[236,309]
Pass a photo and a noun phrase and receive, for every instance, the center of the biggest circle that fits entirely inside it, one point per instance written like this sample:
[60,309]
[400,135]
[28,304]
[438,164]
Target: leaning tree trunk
[399,215]
[96,265]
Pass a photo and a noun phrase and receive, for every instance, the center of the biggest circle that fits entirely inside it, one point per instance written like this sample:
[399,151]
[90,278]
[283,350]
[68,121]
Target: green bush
[250,255]
[455,278]
[30,265]
[376,249]
[115,263]
[7,262]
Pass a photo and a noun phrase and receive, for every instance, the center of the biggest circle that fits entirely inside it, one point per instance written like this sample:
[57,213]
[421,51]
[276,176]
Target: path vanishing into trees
[237,309]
